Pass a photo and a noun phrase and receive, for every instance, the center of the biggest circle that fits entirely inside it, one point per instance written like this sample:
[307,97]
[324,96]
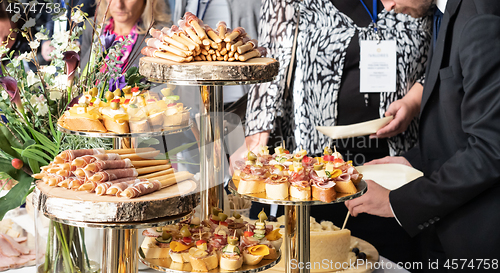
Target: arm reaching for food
[375,201]
[390,160]
[403,110]
[252,143]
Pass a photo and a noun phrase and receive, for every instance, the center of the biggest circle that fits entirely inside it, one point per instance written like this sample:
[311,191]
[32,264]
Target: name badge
[377,66]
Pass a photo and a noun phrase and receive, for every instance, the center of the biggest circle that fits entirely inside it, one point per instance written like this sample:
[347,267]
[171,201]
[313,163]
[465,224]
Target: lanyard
[372,14]
[204,11]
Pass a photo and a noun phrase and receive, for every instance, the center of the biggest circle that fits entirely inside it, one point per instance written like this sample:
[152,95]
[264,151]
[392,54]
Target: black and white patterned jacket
[324,35]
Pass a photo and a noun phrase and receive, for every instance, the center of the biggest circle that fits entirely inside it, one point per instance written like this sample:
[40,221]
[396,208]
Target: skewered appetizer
[252,177]
[231,258]
[201,258]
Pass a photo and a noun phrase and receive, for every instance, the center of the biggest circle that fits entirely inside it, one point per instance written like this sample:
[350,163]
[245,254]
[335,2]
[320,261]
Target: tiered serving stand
[210,77]
[119,217]
[297,224]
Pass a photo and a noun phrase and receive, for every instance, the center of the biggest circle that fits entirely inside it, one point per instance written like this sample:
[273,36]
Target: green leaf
[29,154]
[8,141]
[148,142]
[38,152]
[16,196]
[46,142]
[34,165]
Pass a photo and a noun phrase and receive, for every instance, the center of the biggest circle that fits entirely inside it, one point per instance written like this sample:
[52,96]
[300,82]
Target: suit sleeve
[475,168]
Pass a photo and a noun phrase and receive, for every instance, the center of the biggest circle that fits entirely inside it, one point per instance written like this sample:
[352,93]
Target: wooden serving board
[256,69]
[371,252]
[82,206]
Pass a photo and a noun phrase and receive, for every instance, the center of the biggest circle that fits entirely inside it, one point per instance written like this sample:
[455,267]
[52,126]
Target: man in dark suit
[454,205]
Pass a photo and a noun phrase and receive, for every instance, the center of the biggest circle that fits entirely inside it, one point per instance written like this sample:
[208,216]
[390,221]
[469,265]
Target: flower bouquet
[31,102]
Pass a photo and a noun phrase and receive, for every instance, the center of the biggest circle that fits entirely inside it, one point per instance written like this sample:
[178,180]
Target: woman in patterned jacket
[325,91]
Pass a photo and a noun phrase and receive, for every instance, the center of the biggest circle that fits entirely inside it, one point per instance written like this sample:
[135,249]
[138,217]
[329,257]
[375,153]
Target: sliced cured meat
[100,165]
[21,248]
[114,174]
[141,188]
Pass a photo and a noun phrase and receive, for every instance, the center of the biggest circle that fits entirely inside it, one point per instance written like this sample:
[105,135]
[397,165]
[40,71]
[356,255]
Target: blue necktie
[438,15]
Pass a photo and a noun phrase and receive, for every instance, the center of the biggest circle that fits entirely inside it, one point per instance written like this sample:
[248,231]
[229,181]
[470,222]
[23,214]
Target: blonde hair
[154,9]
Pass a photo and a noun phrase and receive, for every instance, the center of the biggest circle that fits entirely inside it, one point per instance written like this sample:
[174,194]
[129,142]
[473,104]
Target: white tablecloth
[23,219]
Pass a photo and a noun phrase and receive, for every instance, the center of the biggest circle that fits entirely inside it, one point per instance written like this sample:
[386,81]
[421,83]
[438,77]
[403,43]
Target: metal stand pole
[120,245]
[297,235]
[120,251]
[211,143]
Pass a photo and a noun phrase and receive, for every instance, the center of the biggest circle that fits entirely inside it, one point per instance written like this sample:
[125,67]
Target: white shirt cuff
[394,214]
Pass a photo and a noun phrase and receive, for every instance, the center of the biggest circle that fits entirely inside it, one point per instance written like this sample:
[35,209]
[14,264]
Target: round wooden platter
[82,206]
[372,257]
[210,73]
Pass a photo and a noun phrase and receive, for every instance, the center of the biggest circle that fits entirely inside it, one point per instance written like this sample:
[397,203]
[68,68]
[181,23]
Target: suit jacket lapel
[437,55]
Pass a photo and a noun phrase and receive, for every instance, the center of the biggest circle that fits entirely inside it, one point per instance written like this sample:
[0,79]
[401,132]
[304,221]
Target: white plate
[354,130]
[390,176]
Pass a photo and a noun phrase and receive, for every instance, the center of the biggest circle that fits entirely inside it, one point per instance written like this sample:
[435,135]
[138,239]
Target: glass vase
[66,248]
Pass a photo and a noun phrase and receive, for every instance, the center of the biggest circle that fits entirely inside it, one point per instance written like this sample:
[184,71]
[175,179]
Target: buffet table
[21,217]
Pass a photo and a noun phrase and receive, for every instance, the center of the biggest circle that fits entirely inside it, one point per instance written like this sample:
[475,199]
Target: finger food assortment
[126,173]
[220,241]
[192,40]
[296,176]
[126,110]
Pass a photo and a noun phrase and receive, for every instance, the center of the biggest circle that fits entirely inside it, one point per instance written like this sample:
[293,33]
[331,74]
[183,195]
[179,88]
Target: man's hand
[403,110]
[375,201]
[252,143]
[390,160]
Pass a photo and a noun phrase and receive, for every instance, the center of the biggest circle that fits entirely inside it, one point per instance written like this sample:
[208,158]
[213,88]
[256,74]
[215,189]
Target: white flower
[73,47]
[61,37]
[43,109]
[32,78]
[16,17]
[16,62]
[55,94]
[60,82]
[41,36]
[5,95]
[50,69]
[77,17]
[3,49]
[27,56]
[34,44]
[29,24]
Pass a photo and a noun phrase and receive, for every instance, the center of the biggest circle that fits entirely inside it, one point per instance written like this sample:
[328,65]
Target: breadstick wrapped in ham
[247,46]
[74,184]
[153,52]
[104,187]
[152,42]
[117,188]
[162,36]
[189,30]
[83,161]
[100,165]
[83,174]
[53,180]
[258,52]
[180,36]
[239,42]
[141,188]
[196,24]
[239,31]
[70,155]
[89,186]
[222,28]
[107,175]
[212,34]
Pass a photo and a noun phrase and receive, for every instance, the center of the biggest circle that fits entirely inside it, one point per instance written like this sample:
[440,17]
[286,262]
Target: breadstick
[223,51]
[217,52]
[205,42]
[193,21]
[211,51]
[38,175]
[204,52]
[214,57]
[189,30]
[228,46]
[260,51]
[220,46]
[170,38]
[197,58]
[152,169]
[231,59]
[247,47]
[214,45]
[235,46]
[239,31]
[63,173]
[220,58]
[157,174]
[226,58]
[178,177]
[222,27]
[53,170]
[236,56]
[209,57]
[203,57]
[152,42]
[188,41]
[147,163]
[231,54]
[211,33]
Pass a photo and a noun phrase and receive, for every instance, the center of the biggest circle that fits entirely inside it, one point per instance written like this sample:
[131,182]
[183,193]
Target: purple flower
[117,83]
[72,60]
[10,85]
[107,40]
